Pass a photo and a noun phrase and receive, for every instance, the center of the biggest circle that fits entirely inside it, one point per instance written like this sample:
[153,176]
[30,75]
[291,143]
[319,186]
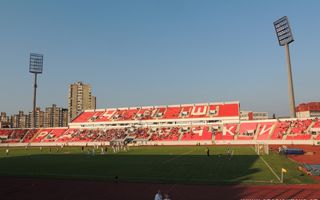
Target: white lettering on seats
[199,132]
[265,130]
[108,114]
[199,110]
[225,130]
[42,134]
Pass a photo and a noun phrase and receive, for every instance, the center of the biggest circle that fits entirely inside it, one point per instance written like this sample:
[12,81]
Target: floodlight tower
[35,67]
[285,37]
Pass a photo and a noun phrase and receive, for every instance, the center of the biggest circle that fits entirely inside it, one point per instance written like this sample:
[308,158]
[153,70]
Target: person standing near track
[208,151]
[158,196]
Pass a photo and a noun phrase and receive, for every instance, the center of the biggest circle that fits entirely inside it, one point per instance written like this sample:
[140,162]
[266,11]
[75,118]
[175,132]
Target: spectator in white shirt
[158,196]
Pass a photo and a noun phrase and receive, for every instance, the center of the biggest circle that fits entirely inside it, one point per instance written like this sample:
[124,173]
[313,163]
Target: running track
[32,188]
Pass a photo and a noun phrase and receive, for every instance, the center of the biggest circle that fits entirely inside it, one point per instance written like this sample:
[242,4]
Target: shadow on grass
[182,176]
[185,169]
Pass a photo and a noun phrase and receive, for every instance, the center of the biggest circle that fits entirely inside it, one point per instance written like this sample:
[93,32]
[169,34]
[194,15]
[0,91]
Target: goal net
[262,149]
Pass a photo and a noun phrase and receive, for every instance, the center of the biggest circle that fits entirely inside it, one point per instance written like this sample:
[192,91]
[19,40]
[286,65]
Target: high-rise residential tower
[80,98]
[39,118]
[55,116]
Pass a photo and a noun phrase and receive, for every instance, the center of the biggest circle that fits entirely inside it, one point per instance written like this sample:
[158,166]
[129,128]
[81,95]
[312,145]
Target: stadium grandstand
[186,124]
[311,109]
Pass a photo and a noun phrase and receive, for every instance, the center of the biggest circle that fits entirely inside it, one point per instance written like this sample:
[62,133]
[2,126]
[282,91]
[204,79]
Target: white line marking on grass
[270,168]
[178,156]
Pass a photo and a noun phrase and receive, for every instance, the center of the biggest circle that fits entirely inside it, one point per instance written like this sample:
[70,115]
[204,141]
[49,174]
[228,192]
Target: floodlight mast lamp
[285,37]
[35,67]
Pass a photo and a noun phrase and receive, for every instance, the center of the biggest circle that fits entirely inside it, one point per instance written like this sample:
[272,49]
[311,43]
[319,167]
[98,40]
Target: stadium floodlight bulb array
[36,63]
[283,31]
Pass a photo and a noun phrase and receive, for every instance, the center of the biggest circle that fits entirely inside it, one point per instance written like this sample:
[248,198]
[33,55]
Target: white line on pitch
[274,173]
[270,168]
[178,156]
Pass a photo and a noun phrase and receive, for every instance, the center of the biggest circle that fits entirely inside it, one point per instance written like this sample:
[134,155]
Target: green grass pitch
[161,164]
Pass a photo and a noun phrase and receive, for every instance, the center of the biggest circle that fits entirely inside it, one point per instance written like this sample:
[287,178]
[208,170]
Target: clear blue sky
[158,52]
